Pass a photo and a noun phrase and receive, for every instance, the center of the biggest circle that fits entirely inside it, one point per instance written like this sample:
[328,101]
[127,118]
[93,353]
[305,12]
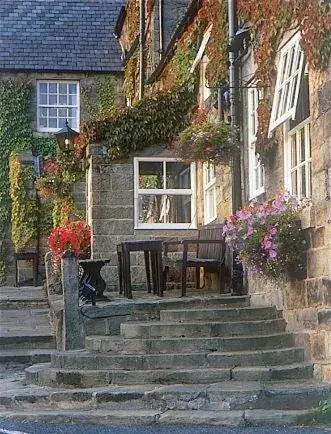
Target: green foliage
[209,141]
[24,212]
[153,121]
[100,96]
[15,135]
[321,415]
[45,147]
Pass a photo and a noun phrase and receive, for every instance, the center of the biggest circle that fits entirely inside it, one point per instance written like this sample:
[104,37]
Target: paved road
[12,427]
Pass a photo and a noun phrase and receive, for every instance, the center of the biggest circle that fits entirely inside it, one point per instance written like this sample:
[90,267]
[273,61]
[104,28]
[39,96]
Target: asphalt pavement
[27,427]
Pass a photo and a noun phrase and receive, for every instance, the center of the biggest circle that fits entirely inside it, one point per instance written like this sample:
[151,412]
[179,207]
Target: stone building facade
[306,303]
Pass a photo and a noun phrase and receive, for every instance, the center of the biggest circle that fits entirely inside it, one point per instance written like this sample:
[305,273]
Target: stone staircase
[25,332]
[224,363]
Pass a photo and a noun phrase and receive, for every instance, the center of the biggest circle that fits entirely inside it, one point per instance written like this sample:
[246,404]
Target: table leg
[154,272]
[127,272]
[148,271]
[160,273]
[120,269]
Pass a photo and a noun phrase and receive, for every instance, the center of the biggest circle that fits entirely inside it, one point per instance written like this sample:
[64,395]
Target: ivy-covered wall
[18,108]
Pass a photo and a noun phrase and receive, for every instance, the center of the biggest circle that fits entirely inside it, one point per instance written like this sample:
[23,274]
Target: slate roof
[59,35]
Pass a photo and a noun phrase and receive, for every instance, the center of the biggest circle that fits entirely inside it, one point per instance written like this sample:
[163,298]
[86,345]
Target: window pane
[293,151]
[63,88]
[279,97]
[293,91]
[43,87]
[292,54]
[294,183]
[43,112]
[284,67]
[52,99]
[63,100]
[285,99]
[43,122]
[150,174]
[178,175]
[53,88]
[52,112]
[210,204]
[52,123]
[164,208]
[303,144]
[62,122]
[309,142]
[42,98]
[72,88]
[62,113]
[303,181]
[72,100]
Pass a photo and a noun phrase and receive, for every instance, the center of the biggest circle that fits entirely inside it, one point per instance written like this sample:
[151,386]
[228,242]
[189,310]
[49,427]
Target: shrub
[74,236]
[269,237]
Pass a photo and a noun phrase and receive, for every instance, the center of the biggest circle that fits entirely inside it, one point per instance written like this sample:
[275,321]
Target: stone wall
[111,216]
[307,303]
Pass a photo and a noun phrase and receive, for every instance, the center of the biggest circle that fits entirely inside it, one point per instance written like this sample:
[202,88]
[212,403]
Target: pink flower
[272,254]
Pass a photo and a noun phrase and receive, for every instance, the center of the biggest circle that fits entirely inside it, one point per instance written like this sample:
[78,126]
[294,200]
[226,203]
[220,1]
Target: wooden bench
[211,254]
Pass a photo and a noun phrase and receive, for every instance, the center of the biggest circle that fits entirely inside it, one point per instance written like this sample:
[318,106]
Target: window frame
[209,185]
[179,192]
[288,134]
[284,79]
[254,164]
[41,129]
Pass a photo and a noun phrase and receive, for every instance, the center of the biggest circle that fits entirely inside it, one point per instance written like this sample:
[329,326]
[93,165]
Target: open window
[164,194]
[289,74]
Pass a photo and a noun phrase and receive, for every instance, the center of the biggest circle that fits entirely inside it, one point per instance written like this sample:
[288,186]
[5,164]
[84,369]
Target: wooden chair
[211,255]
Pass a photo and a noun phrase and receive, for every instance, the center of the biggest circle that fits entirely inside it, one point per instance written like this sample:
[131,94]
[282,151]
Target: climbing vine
[15,135]
[152,121]
[100,96]
[44,146]
[24,210]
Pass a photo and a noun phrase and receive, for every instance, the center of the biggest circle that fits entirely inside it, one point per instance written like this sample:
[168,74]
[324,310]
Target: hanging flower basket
[210,142]
[269,237]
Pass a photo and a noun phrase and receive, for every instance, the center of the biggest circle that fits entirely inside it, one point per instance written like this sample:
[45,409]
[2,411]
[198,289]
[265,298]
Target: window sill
[157,226]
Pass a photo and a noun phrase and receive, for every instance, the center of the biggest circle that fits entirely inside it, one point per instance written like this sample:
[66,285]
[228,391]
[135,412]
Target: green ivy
[45,147]
[153,121]
[24,212]
[15,135]
[100,96]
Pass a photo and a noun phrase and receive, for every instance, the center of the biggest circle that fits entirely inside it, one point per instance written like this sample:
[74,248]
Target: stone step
[155,418]
[29,341]
[220,314]
[229,395]
[45,375]
[87,360]
[23,297]
[195,329]
[25,356]
[273,357]
[115,344]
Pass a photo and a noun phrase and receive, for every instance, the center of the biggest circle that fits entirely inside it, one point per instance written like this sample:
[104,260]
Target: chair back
[211,251]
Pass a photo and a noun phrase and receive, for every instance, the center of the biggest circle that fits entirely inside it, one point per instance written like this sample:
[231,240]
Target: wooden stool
[27,256]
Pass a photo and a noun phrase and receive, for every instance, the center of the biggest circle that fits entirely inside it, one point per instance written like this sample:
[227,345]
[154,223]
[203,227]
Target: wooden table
[153,256]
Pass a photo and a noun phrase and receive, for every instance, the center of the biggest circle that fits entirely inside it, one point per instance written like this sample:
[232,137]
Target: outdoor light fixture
[65,138]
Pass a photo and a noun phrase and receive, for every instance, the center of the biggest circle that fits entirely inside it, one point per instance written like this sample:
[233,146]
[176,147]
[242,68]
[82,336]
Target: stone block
[113,227]
[324,98]
[294,295]
[308,318]
[317,293]
[324,317]
[318,237]
[317,346]
[112,212]
[120,198]
[319,262]
[319,189]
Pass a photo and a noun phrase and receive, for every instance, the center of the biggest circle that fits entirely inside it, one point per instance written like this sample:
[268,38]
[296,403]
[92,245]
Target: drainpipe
[141,47]
[161,27]
[234,92]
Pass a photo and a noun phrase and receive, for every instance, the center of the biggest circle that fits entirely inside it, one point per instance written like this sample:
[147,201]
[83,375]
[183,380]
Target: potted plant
[269,237]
